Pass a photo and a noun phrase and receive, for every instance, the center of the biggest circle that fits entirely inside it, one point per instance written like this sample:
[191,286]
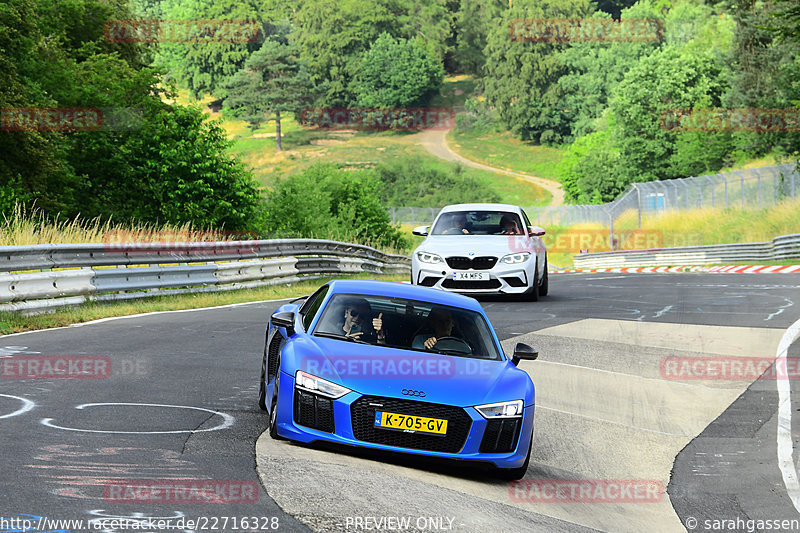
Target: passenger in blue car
[360,324]
[439,327]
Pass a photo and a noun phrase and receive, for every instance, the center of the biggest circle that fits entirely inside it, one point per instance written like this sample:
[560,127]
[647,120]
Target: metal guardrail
[55,275]
[781,248]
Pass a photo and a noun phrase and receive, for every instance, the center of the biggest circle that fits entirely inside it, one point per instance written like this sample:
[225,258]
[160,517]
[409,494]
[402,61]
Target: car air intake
[313,411]
[429,281]
[501,435]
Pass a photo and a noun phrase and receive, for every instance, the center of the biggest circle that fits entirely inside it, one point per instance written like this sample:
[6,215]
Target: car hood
[478,245]
[384,371]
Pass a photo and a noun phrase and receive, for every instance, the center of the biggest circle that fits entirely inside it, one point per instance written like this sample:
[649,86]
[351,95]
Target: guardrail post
[713,196]
[727,202]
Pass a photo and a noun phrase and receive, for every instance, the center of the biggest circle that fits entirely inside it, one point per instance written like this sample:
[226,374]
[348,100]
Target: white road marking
[785,446]
[781,309]
[666,309]
[228,420]
[27,405]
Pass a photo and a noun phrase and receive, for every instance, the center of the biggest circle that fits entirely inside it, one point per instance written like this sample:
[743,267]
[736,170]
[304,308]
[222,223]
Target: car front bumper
[343,430]
[503,278]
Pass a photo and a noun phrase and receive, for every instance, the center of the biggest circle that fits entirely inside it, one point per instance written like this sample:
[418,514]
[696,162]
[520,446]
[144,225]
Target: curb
[734,269]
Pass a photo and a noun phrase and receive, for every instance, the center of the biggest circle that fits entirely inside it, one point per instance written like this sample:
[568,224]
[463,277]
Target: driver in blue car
[359,323]
[439,324]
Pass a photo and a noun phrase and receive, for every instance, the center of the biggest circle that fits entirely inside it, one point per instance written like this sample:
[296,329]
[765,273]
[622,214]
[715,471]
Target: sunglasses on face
[353,313]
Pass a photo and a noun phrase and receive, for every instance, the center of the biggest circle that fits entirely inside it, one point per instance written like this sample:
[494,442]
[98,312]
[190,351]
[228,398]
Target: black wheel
[273,414]
[517,473]
[544,287]
[262,388]
[532,294]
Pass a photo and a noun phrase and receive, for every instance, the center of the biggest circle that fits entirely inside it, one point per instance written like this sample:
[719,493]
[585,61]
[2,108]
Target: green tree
[333,34]
[472,23]
[273,82]
[326,202]
[148,160]
[520,77]
[396,73]
[665,81]
[590,169]
[203,67]
[593,70]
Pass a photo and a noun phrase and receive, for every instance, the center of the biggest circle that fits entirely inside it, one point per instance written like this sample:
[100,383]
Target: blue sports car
[400,368]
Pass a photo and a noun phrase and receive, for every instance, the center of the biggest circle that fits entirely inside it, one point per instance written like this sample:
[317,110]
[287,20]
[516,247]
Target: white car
[482,249]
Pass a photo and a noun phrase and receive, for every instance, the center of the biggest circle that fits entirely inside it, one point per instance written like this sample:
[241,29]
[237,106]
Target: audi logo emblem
[418,393]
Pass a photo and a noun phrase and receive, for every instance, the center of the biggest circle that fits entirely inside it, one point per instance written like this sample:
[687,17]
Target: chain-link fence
[755,187]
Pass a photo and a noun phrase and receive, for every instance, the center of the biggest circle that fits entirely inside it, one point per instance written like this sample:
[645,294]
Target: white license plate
[471,276]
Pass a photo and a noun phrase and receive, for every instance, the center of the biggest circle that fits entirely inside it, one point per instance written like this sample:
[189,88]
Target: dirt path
[435,141]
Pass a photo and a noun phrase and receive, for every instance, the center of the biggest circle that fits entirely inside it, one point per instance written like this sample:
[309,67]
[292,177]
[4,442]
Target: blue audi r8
[401,368]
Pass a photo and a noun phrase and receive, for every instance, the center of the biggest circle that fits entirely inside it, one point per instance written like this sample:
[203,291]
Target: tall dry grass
[25,227]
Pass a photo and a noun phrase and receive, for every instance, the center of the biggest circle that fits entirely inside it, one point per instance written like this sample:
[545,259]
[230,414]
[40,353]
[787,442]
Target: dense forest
[602,100]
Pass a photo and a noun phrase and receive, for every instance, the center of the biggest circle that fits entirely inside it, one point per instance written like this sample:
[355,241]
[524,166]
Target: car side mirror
[422,231]
[536,231]
[283,319]
[524,351]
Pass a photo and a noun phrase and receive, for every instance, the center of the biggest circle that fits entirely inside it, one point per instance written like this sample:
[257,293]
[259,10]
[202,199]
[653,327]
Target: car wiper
[339,337]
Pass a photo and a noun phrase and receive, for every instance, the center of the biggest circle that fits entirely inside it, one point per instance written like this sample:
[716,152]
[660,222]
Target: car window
[476,223]
[407,324]
[309,309]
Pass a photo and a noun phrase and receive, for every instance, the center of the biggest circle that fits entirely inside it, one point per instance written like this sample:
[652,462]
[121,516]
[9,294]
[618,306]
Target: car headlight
[425,257]
[501,410]
[513,259]
[306,381]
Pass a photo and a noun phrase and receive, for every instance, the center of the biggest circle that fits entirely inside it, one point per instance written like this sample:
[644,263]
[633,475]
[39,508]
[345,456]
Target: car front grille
[501,435]
[363,410]
[313,411]
[488,284]
[475,263]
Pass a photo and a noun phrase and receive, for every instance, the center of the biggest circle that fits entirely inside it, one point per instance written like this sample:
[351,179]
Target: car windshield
[407,324]
[478,223]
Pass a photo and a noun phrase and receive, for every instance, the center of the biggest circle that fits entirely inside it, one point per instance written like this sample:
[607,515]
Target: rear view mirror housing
[524,351]
[422,231]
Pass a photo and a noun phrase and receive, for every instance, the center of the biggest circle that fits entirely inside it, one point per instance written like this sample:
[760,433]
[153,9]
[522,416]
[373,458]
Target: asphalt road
[179,406]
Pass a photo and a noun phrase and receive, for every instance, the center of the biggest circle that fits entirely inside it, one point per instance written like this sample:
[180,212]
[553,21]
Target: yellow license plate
[410,423]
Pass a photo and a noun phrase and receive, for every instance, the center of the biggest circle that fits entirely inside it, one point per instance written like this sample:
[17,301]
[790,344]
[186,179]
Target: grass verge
[503,150]
[16,322]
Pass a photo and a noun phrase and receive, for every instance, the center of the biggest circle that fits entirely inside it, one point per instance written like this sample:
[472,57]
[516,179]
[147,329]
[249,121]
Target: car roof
[404,290]
[481,207]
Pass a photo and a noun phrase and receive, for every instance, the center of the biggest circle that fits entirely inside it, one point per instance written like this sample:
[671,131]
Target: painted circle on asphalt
[227,420]
[27,405]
